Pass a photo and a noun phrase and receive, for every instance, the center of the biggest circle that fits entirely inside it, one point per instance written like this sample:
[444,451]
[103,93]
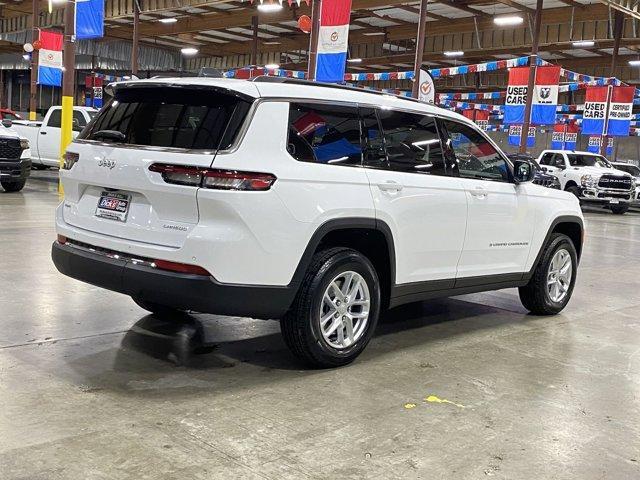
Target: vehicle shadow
[190,340]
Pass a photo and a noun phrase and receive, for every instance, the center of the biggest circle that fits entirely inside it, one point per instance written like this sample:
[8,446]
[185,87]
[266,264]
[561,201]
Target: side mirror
[523,171]
[7,123]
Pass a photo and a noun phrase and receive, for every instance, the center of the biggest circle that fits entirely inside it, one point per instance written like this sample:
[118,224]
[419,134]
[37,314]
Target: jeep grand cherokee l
[315,205]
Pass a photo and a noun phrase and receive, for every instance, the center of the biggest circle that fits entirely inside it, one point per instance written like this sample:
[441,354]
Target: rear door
[142,126]
[501,215]
[415,195]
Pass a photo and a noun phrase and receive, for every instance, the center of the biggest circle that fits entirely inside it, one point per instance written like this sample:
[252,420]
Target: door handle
[43,133]
[390,186]
[479,192]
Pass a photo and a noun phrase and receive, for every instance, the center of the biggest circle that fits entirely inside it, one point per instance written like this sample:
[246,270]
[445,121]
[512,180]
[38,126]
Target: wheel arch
[369,236]
[569,184]
[570,225]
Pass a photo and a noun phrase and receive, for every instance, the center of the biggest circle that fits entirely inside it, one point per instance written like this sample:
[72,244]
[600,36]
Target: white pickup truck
[44,137]
[591,178]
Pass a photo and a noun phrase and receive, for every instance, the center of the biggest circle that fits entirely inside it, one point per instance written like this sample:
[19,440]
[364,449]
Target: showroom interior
[160,323]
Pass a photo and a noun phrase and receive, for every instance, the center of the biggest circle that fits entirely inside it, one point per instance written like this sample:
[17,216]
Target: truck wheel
[575,190]
[551,285]
[619,209]
[156,308]
[336,310]
[14,186]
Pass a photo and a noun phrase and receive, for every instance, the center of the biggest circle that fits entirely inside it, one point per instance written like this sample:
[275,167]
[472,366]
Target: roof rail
[299,81]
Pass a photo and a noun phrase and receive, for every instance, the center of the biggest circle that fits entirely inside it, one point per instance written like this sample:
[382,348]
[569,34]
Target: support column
[417,65]
[316,8]
[533,61]
[136,38]
[2,102]
[33,89]
[254,40]
[68,79]
[618,27]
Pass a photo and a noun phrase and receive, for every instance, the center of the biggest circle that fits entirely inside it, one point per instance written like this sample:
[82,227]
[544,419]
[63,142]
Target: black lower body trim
[418,291]
[183,291]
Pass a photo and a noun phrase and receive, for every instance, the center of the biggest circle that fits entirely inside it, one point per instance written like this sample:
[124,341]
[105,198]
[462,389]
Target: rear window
[202,119]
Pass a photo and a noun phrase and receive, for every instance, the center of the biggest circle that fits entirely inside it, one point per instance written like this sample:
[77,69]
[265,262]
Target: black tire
[575,190]
[156,308]
[619,209]
[13,186]
[301,325]
[535,296]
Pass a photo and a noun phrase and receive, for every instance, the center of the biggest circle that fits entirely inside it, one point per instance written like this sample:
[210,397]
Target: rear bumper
[15,169]
[184,291]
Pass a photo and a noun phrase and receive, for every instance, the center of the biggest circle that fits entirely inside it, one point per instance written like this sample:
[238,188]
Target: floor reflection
[178,339]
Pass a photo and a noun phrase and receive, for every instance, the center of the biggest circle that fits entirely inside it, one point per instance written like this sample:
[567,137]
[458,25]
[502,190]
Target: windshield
[202,119]
[578,160]
[632,169]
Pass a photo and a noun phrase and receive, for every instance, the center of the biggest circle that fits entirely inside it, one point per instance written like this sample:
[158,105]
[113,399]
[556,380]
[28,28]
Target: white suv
[317,205]
[591,178]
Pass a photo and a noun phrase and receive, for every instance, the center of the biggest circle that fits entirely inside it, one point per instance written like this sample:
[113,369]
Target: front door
[501,216]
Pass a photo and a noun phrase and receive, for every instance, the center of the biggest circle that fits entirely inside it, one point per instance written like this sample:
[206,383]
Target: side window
[79,121]
[372,140]
[324,134]
[558,160]
[476,157]
[55,119]
[547,159]
[412,142]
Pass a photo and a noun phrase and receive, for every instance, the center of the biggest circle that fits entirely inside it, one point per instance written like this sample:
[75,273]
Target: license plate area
[113,205]
[614,201]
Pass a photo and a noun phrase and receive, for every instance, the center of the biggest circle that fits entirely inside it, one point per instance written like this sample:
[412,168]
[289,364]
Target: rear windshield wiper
[113,135]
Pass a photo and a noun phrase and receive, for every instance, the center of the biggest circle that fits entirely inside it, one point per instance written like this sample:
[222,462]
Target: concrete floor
[93,388]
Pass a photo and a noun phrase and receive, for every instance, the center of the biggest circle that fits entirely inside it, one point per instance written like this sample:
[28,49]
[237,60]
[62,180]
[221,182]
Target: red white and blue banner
[480,117]
[89,19]
[545,95]
[514,135]
[595,142]
[564,137]
[516,99]
[333,40]
[50,59]
[595,111]
[620,111]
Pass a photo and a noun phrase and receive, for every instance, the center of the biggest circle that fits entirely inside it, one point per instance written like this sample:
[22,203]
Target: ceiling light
[634,63]
[584,43]
[26,56]
[354,60]
[508,20]
[269,7]
[189,51]
[455,53]
[271,66]
[168,20]
[369,34]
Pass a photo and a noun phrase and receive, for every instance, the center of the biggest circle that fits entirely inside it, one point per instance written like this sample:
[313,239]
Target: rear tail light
[62,239]
[214,178]
[70,159]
